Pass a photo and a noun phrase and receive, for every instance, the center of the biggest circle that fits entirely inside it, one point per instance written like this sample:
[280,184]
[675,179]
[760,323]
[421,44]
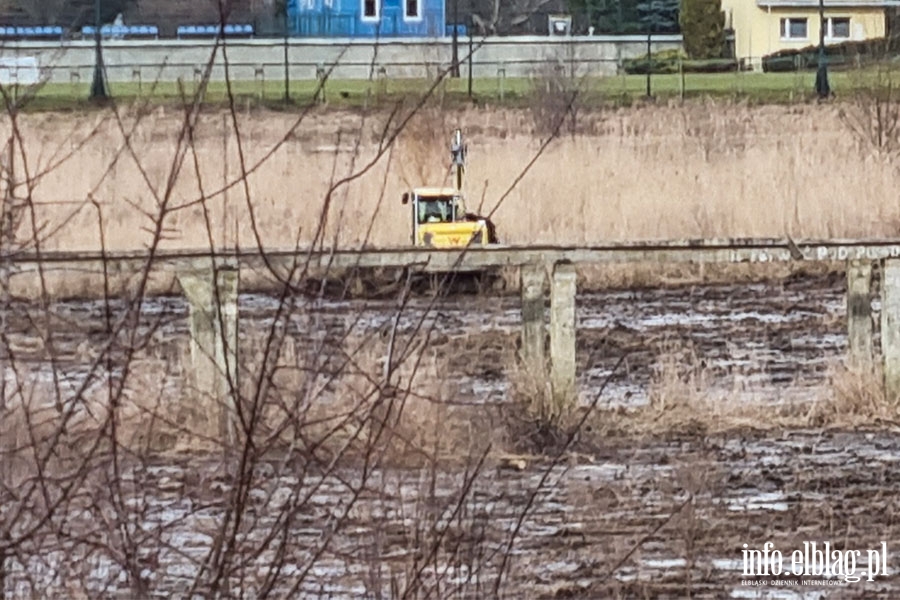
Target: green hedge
[673,61]
[846,53]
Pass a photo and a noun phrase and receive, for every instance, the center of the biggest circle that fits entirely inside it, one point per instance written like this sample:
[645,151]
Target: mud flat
[759,342]
[623,517]
[689,504]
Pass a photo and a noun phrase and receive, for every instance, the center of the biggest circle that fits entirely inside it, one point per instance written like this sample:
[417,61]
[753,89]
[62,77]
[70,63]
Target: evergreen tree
[608,16]
[658,16]
[703,28]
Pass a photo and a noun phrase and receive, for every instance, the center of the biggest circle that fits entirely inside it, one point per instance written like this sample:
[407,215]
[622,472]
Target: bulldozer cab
[436,208]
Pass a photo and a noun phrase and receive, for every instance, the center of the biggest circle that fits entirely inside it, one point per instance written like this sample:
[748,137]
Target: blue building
[367,18]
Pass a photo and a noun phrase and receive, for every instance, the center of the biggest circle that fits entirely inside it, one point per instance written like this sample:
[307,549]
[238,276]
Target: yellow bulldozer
[439,217]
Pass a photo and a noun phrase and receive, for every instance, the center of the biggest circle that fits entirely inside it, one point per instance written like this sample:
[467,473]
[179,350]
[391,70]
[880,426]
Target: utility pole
[649,60]
[650,18]
[471,49]
[98,85]
[454,68]
[287,74]
[822,88]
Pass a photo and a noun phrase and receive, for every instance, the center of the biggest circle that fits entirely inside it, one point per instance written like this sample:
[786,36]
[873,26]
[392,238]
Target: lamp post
[658,16]
[98,85]
[649,60]
[651,18]
[454,68]
[822,88]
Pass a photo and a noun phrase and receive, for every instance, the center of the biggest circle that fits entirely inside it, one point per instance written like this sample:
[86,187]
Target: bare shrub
[534,420]
[872,114]
[553,101]
[422,148]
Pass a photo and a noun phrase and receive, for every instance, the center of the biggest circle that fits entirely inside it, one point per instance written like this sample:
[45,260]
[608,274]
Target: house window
[370,10]
[412,9]
[793,29]
[838,28]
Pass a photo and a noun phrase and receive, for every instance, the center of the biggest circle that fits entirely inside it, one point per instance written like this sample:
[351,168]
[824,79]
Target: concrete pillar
[227,345]
[562,336]
[890,327]
[859,312]
[214,338]
[532,281]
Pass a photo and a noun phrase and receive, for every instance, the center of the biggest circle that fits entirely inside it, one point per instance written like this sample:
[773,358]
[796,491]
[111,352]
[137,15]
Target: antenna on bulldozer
[458,157]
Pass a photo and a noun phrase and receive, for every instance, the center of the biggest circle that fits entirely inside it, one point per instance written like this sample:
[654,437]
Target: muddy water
[573,541]
[763,342]
[759,342]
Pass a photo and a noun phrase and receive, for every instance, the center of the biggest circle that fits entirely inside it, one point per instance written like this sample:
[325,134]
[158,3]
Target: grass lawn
[619,89]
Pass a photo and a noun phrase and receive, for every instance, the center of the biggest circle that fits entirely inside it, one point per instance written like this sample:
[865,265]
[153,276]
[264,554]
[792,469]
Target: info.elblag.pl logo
[815,559]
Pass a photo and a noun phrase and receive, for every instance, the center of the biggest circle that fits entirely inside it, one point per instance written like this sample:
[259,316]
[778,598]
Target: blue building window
[412,10]
[370,10]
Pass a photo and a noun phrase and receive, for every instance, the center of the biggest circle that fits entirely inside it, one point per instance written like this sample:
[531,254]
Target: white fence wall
[170,60]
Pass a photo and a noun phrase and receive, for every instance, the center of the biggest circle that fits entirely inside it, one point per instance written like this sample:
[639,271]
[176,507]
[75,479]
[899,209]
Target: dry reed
[649,173]
[684,399]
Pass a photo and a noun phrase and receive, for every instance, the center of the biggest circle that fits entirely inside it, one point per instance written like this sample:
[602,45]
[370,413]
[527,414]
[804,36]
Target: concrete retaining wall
[170,60]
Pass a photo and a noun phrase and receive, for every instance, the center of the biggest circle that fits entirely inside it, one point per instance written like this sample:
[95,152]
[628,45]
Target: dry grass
[631,276]
[344,406]
[857,398]
[646,173]
[337,406]
[79,284]
[683,400]
[534,420]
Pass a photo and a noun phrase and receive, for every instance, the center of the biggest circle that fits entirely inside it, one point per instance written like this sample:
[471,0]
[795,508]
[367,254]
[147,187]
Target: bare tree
[114,476]
[873,113]
[495,17]
[47,11]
